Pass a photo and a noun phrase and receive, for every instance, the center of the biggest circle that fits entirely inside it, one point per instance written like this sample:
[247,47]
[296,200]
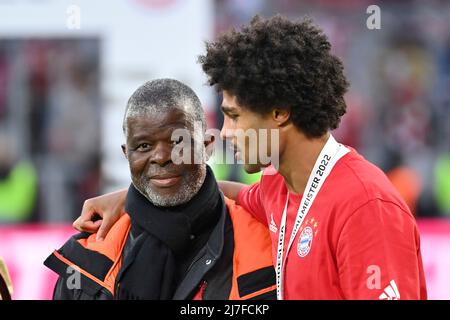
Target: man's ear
[124,150]
[281,116]
[209,144]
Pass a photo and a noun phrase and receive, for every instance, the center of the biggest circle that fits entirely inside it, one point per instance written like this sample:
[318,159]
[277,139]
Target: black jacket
[211,269]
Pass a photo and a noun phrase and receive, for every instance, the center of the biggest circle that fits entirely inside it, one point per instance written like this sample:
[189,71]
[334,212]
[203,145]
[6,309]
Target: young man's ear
[281,116]
[124,150]
[209,145]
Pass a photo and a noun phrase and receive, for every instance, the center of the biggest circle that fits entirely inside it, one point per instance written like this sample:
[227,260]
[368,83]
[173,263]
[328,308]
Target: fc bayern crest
[305,242]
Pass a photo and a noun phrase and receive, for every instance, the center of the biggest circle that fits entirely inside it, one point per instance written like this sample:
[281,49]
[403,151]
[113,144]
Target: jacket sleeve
[63,292]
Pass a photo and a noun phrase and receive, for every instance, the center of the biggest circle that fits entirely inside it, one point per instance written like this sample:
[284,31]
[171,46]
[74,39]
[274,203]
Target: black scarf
[163,241]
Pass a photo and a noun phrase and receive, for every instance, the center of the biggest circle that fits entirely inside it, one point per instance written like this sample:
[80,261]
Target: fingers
[110,207]
[84,222]
[87,226]
[83,225]
[77,224]
[106,224]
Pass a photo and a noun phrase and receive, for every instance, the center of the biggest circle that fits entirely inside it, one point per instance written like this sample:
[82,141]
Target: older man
[180,238]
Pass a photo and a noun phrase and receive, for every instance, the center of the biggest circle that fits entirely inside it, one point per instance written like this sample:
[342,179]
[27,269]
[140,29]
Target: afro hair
[278,63]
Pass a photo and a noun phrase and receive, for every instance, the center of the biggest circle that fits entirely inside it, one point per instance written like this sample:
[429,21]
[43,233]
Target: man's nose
[226,133]
[162,154]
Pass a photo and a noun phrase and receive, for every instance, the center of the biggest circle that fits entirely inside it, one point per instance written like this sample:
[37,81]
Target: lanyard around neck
[330,154]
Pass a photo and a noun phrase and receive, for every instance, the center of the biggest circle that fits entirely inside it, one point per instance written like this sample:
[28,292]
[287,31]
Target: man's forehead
[228,97]
[166,115]
[229,102]
[158,121]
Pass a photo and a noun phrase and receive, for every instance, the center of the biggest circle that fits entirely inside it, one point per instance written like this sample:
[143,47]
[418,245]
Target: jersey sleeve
[378,254]
[250,199]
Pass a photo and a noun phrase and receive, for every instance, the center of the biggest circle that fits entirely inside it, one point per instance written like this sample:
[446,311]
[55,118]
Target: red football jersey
[358,241]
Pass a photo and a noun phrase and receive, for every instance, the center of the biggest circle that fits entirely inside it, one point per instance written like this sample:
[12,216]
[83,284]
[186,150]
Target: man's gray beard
[190,185]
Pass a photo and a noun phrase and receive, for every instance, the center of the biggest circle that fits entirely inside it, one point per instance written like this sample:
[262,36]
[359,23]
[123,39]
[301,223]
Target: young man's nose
[226,133]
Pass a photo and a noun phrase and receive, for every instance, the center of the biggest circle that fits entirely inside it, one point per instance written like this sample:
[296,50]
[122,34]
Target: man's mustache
[163,172]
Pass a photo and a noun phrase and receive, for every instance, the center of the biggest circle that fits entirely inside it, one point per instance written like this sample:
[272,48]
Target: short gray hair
[161,95]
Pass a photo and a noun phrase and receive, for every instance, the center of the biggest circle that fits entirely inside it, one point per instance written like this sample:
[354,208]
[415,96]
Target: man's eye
[143,147]
[177,141]
[233,116]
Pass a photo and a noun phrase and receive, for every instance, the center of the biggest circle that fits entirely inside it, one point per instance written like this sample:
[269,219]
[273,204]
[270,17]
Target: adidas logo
[272,226]
[390,292]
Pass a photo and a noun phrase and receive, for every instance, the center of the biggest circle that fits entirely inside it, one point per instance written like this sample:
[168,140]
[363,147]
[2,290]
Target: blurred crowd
[398,112]
[49,120]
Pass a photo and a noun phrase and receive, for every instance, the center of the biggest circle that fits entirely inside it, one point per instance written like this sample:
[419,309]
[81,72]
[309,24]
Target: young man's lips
[165,182]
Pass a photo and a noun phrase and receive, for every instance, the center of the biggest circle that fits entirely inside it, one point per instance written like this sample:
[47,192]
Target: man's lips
[163,181]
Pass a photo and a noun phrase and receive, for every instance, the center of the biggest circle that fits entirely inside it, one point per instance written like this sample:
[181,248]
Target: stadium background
[67,69]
